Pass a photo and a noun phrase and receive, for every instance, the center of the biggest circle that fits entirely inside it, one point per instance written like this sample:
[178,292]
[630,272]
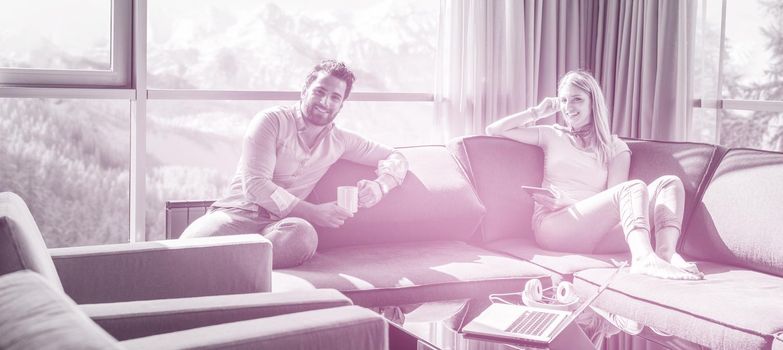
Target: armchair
[134,271]
[215,289]
[35,314]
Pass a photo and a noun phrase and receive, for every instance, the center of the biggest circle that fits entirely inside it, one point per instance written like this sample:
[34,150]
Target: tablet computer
[538,190]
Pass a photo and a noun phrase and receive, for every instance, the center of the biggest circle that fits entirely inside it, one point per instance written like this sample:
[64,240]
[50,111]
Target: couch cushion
[562,263]
[497,167]
[730,309]
[34,315]
[692,162]
[407,273]
[22,245]
[435,202]
[738,221]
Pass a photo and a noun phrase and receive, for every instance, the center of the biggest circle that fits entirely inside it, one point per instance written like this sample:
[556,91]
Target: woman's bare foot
[678,261]
[653,265]
[688,266]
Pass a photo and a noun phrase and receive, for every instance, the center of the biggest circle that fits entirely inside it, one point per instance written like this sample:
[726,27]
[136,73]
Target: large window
[241,47]
[740,88]
[65,116]
[78,131]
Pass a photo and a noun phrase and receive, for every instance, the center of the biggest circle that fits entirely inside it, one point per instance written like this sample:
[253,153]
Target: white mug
[348,198]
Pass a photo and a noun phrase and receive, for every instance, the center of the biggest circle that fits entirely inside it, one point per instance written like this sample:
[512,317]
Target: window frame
[117,76]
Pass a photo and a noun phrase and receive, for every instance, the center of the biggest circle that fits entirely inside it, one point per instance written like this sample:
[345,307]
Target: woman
[595,208]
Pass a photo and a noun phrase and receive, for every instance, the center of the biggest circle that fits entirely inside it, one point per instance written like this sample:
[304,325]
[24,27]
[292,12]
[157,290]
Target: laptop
[528,324]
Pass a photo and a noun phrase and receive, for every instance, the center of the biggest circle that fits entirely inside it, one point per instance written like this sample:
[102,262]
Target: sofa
[459,227]
[204,293]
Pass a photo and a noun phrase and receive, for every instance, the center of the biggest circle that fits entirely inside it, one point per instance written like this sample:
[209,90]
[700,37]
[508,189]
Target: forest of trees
[69,162]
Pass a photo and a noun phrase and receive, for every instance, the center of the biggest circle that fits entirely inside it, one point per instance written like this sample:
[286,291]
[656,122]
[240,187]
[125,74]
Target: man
[285,151]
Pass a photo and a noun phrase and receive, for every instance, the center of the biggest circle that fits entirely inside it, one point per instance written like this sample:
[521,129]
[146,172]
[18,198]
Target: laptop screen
[591,299]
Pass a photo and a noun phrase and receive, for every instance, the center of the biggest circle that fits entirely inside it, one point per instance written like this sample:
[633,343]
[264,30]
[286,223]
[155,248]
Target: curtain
[496,57]
[643,65]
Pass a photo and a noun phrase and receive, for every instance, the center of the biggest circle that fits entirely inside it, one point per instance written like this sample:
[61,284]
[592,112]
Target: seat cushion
[562,263]
[738,221]
[407,273]
[21,243]
[344,328]
[34,315]
[136,319]
[731,308]
[434,202]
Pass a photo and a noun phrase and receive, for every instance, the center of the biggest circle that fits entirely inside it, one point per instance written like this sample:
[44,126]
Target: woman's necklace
[582,136]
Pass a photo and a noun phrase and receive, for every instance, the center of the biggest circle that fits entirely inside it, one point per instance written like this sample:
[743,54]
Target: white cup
[348,198]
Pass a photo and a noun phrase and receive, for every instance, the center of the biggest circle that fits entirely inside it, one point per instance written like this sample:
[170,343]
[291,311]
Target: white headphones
[565,296]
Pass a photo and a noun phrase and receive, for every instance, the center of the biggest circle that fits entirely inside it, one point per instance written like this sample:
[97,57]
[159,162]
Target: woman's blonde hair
[602,137]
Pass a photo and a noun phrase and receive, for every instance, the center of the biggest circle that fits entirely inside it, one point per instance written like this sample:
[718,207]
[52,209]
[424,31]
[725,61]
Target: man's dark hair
[336,69]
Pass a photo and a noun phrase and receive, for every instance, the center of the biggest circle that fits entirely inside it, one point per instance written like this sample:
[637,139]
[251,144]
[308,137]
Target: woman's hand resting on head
[559,201]
[547,107]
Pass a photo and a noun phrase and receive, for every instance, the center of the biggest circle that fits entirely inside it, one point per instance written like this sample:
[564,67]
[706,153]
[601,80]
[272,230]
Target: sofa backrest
[435,202]
[498,166]
[738,221]
[21,244]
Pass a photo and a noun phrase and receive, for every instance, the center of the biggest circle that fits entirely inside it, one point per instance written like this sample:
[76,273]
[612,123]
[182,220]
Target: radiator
[179,214]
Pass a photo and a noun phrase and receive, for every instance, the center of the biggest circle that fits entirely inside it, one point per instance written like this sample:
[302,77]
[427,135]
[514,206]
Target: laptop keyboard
[532,323]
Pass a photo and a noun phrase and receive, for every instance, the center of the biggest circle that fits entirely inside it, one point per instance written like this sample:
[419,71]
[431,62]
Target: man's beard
[310,116]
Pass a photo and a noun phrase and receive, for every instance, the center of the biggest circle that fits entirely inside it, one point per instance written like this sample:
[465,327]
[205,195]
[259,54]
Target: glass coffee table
[438,325]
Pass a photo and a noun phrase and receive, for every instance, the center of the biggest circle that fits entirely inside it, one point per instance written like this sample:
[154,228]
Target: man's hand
[325,214]
[370,193]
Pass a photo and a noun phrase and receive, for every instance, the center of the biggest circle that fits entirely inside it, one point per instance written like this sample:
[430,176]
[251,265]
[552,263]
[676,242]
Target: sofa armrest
[165,269]
[135,319]
[346,327]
